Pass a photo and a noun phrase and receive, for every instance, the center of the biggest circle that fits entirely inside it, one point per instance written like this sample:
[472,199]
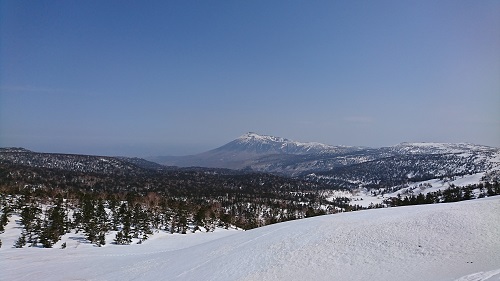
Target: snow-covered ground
[364,197]
[453,241]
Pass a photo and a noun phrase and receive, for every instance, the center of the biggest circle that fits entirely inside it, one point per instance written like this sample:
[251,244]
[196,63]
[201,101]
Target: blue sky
[141,78]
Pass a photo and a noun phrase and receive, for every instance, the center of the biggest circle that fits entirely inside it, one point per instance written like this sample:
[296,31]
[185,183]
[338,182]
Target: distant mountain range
[331,166]
[346,166]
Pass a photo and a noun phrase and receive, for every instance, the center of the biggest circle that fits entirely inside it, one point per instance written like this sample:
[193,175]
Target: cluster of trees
[46,220]
[451,194]
[41,226]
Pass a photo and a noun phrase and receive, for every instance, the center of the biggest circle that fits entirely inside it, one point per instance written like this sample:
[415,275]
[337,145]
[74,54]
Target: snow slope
[455,241]
[364,198]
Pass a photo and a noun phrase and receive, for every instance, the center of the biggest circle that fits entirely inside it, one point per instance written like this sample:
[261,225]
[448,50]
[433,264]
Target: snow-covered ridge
[283,156]
[74,162]
[272,144]
[251,137]
[14,150]
[440,148]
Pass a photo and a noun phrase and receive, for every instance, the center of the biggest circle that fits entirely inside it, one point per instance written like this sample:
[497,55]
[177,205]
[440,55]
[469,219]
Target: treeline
[451,194]
[170,183]
[47,214]
[53,202]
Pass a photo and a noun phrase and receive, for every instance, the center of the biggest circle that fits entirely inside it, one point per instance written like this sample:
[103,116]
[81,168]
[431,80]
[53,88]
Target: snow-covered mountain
[453,241]
[262,144]
[345,166]
[440,148]
[249,150]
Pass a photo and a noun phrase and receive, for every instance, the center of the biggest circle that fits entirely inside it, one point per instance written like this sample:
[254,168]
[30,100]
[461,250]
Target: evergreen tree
[89,223]
[467,194]
[88,210]
[45,236]
[119,238]
[144,225]
[489,190]
[31,223]
[101,224]
[77,221]
[127,237]
[101,217]
[91,231]
[430,198]
[420,199]
[4,218]
[123,237]
[54,226]
[115,218]
[135,220]
[21,241]
[101,239]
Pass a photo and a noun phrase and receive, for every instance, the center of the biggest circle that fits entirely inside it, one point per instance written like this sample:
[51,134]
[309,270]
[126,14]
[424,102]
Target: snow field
[453,241]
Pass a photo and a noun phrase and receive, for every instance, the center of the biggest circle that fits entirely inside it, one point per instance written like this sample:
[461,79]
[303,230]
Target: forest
[52,202]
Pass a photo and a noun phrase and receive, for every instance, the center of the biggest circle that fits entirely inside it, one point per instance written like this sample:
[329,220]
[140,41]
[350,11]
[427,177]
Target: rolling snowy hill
[454,241]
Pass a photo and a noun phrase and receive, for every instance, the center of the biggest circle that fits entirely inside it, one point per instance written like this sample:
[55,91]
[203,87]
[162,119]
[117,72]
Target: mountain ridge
[277,155]
[332,166]
[253,141]
[244,150]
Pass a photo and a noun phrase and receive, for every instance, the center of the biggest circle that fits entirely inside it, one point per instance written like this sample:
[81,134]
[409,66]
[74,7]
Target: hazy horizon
[189,150]
[179,78]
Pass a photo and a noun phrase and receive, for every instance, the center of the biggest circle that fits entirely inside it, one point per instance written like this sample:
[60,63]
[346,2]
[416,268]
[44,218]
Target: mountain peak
[255,137]
[263,144]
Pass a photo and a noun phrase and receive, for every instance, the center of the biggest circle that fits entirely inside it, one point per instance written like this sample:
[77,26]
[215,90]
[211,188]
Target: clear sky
[143,78]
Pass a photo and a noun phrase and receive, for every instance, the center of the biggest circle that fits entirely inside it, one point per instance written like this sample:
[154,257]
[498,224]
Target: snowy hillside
[439,148]
[408,163]
[369,197]
[454,241]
